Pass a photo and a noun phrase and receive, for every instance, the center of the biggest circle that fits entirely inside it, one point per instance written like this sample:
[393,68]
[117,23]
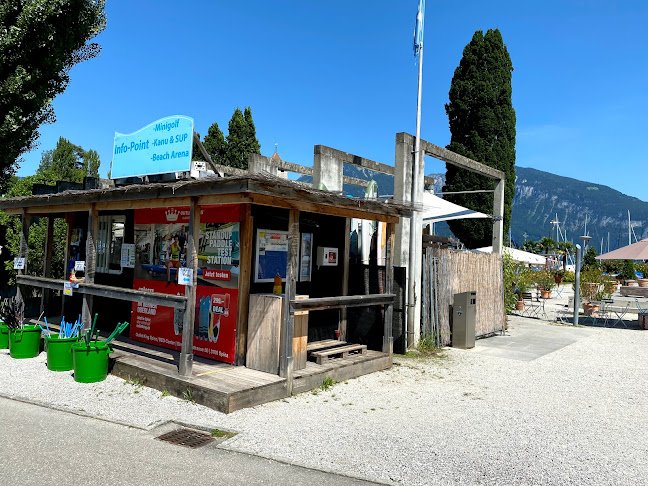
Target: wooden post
[186,354]
[388,339]
[23,252]
[288,325]
[47,263]
[68,238]
[91,255]
[498,217]
[246,235]
[345,277]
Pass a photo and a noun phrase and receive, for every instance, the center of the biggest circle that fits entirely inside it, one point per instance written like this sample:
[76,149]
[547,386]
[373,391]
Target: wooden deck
[227,388]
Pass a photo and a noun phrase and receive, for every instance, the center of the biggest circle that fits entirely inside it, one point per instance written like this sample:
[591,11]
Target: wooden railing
[341,302]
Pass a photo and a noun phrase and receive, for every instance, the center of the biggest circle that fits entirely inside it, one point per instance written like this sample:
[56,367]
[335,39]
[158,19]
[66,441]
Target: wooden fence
[447,272]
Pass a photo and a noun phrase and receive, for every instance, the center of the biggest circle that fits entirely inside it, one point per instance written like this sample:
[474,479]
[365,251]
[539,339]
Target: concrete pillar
[403,163]
[327,169]
[258,163]
[498,217]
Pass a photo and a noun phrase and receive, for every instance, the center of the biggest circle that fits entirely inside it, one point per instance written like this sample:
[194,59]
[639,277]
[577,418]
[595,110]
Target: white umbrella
[436,209]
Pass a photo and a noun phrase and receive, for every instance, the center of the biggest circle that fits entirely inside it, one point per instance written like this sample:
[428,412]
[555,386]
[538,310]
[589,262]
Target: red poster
[161,239]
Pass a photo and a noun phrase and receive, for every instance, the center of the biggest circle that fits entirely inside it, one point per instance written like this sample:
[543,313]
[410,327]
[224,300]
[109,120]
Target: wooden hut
[224,335]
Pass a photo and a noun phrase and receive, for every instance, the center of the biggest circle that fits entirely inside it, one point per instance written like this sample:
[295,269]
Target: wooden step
[341,351]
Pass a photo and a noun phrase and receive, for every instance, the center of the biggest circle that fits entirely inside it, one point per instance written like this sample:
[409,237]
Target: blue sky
[342,74]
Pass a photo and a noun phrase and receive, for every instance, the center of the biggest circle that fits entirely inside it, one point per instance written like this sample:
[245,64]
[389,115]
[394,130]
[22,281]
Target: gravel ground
[577,415]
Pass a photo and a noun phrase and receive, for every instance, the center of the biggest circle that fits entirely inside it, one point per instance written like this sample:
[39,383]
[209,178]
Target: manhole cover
[187,438]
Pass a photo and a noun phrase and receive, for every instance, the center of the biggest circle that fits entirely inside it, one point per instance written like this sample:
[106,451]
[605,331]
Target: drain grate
[186,438]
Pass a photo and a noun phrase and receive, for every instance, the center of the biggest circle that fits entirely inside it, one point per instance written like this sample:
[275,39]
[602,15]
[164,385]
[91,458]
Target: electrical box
[464,317]
[327,257]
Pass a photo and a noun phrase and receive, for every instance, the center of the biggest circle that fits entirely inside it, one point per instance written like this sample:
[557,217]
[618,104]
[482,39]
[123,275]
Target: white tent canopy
[518,255]
[436,209]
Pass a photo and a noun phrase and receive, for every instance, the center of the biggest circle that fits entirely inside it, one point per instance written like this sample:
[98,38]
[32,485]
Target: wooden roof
[258,189]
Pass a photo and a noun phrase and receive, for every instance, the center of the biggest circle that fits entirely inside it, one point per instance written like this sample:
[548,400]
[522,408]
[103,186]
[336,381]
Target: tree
[241,139]
[215,145]
[482,126]
[564,249]
[91,163]
[37,231]
[589,260]
[69,162]
[547,244]
[39,43]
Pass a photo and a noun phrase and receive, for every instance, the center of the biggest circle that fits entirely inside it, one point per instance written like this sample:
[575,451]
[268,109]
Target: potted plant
[558,275]
[546,283]
[523,283]
[24,339]
[590,290]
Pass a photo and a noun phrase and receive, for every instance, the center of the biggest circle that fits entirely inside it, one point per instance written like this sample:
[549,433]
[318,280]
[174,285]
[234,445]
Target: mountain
[539,197]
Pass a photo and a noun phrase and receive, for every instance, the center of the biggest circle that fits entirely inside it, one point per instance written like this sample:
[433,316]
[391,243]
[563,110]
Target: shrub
[628,270]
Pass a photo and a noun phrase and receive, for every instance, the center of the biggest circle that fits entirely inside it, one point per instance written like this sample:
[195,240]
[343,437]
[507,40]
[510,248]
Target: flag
[418,27]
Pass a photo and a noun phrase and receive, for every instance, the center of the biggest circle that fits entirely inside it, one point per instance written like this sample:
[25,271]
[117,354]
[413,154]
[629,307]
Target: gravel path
[577,415]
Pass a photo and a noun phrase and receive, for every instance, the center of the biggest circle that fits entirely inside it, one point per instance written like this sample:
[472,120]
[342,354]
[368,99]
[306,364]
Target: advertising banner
[161,236]
[160,147]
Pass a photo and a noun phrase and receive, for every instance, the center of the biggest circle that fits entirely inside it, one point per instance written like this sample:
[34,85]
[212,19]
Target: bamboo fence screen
[456,272]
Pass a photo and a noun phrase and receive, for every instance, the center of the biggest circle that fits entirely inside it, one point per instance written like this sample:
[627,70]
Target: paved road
[43,446]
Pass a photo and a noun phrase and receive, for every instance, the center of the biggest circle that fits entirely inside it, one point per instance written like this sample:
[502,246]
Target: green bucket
[90,363]
[25,342]
[59,353]
[4,336]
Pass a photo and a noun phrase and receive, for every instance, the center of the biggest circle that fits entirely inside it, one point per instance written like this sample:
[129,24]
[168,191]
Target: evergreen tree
[67,161]
[196,153]
[215,144]
[241,139]
[40,41]
[91,163]
[482,126]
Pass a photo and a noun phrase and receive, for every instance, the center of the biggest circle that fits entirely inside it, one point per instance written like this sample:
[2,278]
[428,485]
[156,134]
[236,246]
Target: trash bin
[464,315]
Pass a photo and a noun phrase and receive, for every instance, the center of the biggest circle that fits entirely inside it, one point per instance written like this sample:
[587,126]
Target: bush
[612,266]
[570,277]
[628,271]
[642,268]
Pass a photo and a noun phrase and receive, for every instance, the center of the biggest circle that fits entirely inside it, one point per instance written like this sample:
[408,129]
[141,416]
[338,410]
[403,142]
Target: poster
[128,255]
[305,257]
[161,240]
[271,255]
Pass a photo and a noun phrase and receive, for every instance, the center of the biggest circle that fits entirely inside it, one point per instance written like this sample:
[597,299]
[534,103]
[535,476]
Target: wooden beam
[246,237]
[186,353]
[47,261]
[143,203]
[286,365]
[340,302]
[346,257]
[346,212]
[23,253]
[131,295]
[68,238]
[90,259]
[59,208]
[214,199]
[204,153]
[388,339]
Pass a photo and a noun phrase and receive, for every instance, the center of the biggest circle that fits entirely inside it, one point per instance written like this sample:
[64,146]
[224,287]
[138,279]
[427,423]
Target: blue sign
[160,147]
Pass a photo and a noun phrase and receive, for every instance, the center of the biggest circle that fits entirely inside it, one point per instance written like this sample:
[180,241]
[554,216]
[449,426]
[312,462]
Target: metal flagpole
[415,246]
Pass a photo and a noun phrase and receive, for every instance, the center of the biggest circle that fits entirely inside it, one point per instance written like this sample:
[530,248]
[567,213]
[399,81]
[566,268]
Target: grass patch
[218,433]
[327,383]
[187,396]
[165,393]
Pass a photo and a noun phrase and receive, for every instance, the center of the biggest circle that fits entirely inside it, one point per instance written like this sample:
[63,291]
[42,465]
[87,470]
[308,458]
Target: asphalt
[42,446]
